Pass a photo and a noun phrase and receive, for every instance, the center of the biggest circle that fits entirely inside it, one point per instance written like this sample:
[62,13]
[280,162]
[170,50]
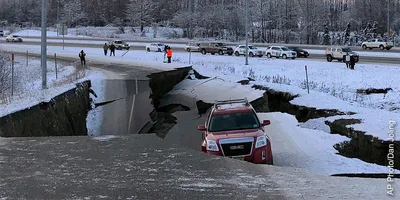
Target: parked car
[300,52]
[377,43]
[120,44]
[233,129]
[158,47]
[14,38]
[338,53]
[280,51]
[252,51]
[1,33]
[192,47]
[216,47]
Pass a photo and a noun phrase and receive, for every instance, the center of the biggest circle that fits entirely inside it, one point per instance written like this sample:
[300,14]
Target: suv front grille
[236,146]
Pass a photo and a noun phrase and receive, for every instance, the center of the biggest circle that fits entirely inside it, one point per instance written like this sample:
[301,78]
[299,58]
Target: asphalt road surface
[363,59]
[127,111]
[144,167]
[317,47]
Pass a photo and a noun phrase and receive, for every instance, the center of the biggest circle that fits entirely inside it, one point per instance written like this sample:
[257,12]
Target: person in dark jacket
[112,49]
[352,62]
[82,55]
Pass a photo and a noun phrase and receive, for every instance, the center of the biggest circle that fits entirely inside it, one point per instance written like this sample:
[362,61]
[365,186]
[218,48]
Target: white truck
[377,43]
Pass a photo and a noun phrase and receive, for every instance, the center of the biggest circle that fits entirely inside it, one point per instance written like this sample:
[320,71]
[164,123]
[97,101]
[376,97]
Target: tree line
[298,21]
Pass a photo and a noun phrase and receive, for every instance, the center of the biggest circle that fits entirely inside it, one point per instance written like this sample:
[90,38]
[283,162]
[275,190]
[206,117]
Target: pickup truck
[338,53]
[215,47]
[377,43]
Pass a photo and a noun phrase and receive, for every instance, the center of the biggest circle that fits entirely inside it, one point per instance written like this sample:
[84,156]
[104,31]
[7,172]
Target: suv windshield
[346,50]
[252,47]
[233,121]
[285,49]
[220,44]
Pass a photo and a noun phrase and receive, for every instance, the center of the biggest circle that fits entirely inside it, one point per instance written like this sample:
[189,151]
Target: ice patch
[105,137]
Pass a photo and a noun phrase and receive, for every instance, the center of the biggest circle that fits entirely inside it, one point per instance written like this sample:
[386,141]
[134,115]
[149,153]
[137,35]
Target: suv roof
[231,106]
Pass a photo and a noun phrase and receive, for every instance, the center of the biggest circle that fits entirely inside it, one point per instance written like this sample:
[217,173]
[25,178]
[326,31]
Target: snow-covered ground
[96,56]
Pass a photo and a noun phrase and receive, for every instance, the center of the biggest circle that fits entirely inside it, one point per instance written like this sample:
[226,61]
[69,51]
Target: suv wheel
[271,162]
[220,52]
[237,53]
[203,51]
[119,48]
[284,56]
[159,50]
[251,54]
[381,47]
[187,49]
[269,55]
[364,46]
[329,58]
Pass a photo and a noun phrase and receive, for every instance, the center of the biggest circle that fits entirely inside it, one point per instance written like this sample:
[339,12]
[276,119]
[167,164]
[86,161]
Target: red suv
[232,129]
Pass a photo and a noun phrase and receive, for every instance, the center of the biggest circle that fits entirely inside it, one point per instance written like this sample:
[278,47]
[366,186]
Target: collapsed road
[147,167]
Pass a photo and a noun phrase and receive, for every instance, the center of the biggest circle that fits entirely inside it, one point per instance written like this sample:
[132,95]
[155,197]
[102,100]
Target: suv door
[275,51]
[337,53]
[242,50]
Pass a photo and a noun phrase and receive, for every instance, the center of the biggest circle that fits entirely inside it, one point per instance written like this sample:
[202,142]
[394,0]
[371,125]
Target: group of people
[82,54]
[350,61]
[111,47]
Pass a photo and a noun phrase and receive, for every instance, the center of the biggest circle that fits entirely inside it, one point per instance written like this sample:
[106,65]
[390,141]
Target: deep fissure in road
[365,147]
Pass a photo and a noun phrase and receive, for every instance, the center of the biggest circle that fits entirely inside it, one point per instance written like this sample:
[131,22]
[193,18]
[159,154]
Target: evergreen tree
[347,34]
[327,37]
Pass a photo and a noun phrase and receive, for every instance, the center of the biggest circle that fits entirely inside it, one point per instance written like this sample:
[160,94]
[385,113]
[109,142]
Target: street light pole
[246,32]
[388,10]
[44,44]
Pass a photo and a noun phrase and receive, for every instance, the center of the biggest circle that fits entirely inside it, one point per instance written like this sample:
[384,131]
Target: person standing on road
[352,62]
[347,60]
[112,49]
[82,57]
[105,48]
[169,54]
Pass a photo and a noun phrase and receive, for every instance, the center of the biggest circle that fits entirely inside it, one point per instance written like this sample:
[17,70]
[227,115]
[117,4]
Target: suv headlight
[261,141]
[212,145]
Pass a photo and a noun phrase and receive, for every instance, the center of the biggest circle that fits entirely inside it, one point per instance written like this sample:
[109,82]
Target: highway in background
[141,46]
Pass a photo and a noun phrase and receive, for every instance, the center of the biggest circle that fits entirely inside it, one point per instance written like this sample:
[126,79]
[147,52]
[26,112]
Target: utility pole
[388,27]
[246,32]
[191,21]
[58,25]
[44,44]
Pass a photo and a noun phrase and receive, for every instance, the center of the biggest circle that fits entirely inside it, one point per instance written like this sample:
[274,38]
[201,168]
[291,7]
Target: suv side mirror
[266,123]
[201,128]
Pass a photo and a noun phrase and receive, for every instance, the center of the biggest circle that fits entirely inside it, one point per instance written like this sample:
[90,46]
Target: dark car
[300,52]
